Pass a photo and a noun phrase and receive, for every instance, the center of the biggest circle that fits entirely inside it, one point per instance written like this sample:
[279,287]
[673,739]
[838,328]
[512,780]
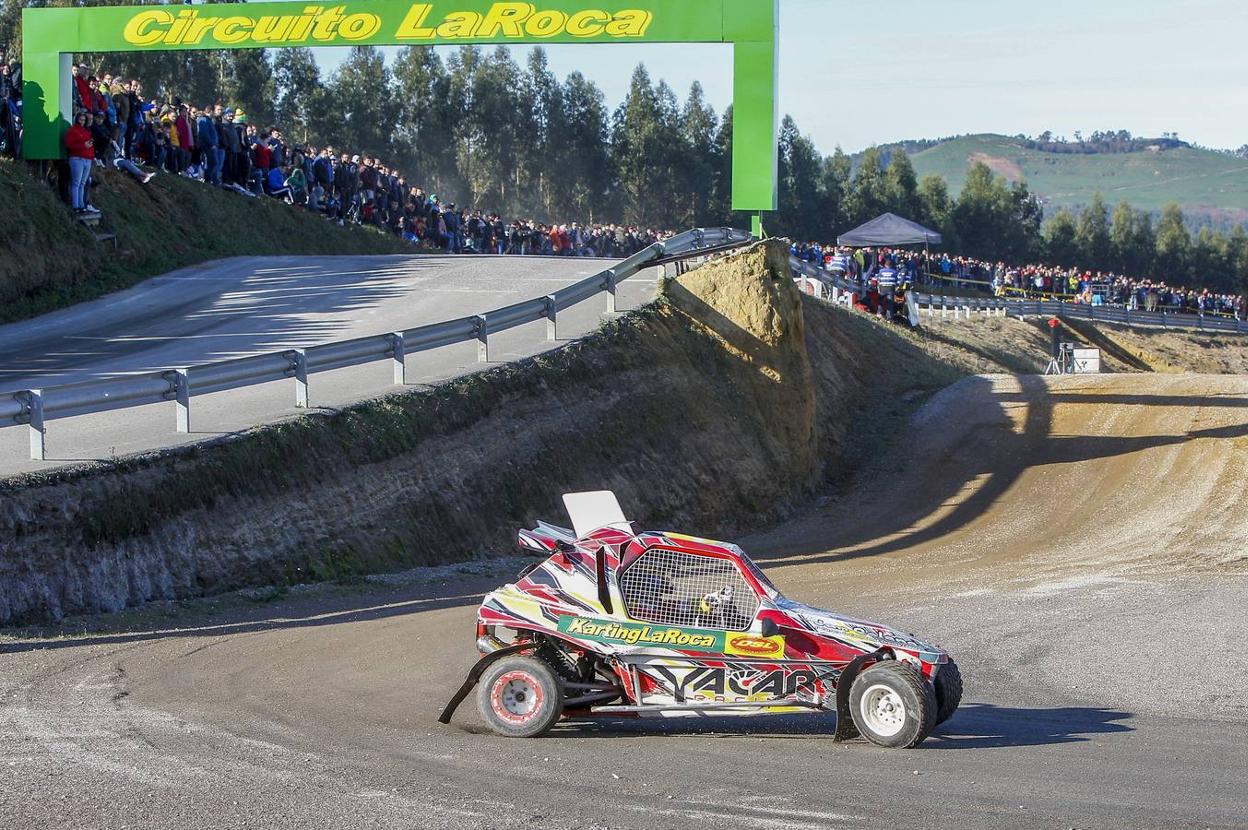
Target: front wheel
[892,705]
[520,697]
[948,691]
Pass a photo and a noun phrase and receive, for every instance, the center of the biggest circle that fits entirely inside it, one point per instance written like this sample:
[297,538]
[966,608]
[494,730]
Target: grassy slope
[47,260]
[1200,180]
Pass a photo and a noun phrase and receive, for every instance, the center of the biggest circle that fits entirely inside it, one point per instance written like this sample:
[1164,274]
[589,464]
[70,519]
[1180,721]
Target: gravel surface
[1066,540]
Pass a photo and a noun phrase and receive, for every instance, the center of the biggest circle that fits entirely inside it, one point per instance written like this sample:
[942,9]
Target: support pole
[552,309]
[609,286]
[182,395]
[38,448]
[483,340]
[400,358]
[300,359]
[756,225]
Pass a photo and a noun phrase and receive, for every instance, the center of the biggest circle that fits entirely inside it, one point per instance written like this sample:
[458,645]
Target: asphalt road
[252,305]
[1077,544]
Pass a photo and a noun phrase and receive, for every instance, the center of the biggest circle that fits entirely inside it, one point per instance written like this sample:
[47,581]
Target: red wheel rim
[516,696]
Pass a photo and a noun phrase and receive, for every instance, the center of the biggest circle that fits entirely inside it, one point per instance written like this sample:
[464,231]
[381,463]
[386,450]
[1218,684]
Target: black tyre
[892,705]
[948,691]
[520,696]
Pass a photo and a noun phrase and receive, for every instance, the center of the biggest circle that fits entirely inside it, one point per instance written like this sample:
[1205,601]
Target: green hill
[1208,185]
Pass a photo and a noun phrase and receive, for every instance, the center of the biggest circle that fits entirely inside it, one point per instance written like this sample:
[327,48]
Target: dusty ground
[1074,543]
[1005,344]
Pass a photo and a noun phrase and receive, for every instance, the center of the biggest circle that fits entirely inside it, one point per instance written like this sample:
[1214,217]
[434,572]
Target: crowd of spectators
[115,125]
[901,268]
[10,108]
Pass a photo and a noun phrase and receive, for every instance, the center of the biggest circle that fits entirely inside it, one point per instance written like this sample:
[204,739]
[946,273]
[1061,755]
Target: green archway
[50,36]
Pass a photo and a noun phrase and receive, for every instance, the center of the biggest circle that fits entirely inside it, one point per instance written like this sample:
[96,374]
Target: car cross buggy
[619,622]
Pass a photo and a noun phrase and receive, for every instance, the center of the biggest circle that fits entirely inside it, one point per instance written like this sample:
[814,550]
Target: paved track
[251,305]
[1078,544]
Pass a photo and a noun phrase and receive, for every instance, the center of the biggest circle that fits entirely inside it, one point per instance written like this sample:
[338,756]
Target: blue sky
[860,73]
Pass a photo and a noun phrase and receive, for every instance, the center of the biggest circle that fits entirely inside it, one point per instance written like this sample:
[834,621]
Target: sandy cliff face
[702,411]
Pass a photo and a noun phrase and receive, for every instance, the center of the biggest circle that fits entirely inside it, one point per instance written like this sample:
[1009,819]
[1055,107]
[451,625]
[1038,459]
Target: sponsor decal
[318,23]
[522,20]
[718,685]
[754,645]
[640,634]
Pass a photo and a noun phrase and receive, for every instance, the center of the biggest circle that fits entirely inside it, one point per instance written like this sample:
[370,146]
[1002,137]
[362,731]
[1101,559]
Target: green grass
[49,261]
[1204,183]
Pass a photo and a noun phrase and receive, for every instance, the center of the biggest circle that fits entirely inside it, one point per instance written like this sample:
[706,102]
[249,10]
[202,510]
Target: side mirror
[770,629]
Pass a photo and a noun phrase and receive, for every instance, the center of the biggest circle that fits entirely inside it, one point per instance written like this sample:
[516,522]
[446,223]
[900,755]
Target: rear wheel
[520,697]
[892,705]
[948,691]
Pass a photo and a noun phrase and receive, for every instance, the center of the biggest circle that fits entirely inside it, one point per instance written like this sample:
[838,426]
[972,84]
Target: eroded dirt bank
[699,411]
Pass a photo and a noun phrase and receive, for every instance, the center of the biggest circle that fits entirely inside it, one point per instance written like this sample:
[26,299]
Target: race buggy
[619,622]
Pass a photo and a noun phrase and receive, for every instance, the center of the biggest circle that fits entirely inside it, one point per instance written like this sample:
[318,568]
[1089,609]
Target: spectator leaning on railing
[868,267]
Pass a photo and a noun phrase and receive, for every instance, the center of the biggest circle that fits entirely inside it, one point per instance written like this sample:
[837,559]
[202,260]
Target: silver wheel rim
[883,710]
[518,698]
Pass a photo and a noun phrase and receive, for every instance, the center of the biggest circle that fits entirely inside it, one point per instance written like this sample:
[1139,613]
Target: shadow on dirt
[990,458]
[975,726]
[328,612]
[983,725]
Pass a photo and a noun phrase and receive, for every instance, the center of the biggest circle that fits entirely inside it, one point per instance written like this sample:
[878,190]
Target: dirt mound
[1033,478]
[985,344]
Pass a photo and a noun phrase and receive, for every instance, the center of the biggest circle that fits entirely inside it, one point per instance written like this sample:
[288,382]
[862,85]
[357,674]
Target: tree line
[485,131]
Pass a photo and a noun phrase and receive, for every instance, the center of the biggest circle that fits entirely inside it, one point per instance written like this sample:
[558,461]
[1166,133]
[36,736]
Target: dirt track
[1078,544]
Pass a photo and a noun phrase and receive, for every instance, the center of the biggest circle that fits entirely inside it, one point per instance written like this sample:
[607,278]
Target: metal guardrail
[1107,314]
[1032,308]
[35,407]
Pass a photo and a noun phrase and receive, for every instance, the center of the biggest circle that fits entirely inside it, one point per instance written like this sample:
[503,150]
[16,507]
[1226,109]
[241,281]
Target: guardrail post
[299,360]
[609,286]
[483,340]
[34,403]
[399,354]
[552,309]
[182,398]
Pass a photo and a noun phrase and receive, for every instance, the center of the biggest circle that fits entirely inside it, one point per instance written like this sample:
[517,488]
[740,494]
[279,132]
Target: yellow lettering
[271,29]
[413,25]
[234,29]
[139,30]
[359,26]
[304,23]
[459,24]
[179,26]
[196,31]
[546,23]
[505,16]
[630,23]
[587,23]
[326,21]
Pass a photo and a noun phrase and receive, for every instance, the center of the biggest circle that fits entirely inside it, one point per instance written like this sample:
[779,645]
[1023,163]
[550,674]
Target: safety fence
[936,303]
[922,303]
[35,407]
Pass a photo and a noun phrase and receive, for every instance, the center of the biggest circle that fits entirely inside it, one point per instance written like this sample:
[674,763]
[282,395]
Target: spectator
[80,147]
[208,142]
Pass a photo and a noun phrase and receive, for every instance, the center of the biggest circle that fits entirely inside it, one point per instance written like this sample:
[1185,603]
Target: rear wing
[546,538]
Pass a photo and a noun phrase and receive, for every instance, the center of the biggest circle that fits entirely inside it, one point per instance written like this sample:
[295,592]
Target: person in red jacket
[81,150]
[186,142]
[81,92]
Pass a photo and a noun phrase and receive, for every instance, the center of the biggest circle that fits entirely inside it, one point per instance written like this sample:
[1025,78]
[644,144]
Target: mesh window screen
[673,588]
